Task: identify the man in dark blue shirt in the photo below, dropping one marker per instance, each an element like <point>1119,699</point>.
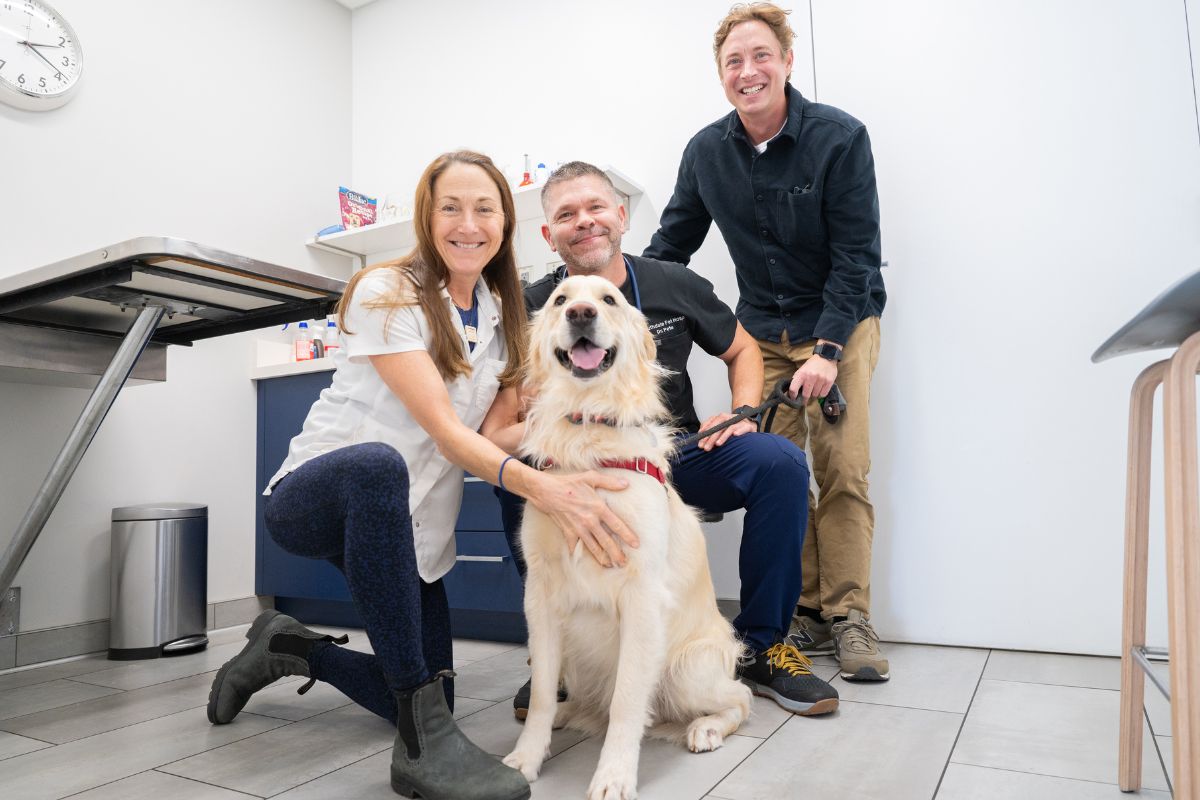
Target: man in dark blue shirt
<point>737,468</point>
<point>791,186</point>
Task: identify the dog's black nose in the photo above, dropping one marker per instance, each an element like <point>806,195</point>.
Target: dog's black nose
<point>580,313</point>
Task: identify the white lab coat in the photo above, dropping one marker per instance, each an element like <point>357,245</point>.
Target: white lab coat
<point>359,407</point>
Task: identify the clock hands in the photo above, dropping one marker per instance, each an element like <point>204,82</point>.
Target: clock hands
<point>38,53</point>
<point>37,44</point>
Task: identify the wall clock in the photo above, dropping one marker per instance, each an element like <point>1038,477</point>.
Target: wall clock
<point>41,61</point>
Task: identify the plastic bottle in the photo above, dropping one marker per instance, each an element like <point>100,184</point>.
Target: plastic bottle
<point>542,173</point>
<point>302,343</point>
<point>318,341</point>
<point>333,338</point>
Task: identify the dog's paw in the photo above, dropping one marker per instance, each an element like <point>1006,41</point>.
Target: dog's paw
<point>613,783</point>
<point>703,737</point>
<point>528,765</point>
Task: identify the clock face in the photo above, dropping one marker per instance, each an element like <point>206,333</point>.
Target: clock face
<point>40,58</point>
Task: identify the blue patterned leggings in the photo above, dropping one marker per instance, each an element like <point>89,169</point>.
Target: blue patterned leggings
<point>350,507</point>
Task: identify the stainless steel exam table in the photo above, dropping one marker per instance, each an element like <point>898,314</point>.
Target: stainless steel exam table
<point>122,305</point>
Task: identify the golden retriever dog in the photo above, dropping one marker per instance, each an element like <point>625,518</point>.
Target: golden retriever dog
<point>641,645</point>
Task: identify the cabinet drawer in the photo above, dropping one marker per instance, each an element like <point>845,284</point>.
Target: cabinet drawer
<point>484,577</point>
<point>480,509</point>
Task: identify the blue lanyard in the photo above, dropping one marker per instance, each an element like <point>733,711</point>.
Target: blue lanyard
<point>470,319</point>
<point>637,298</point>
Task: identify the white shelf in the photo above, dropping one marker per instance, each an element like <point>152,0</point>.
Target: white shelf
<point>397,234</point>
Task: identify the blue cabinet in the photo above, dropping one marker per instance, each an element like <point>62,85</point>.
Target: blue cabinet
<point>484,587</point>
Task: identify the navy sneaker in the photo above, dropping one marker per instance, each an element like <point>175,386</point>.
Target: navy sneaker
<point>521,701</point>
<point>784,674</point>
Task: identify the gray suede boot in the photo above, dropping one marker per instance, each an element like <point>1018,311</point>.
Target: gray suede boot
<point>277,646</point>
<point>432,759</point>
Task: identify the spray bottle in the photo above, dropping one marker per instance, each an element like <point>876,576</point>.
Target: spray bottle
<point>526,180</point>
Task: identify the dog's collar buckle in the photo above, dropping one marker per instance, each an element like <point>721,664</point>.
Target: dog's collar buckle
<point>640,465</point>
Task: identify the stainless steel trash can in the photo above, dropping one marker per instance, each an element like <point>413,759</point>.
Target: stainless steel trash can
<point>159,587</point>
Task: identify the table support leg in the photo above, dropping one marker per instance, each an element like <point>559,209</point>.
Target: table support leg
<point>94,411</point>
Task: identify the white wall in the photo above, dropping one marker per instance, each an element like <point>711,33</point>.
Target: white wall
<point>226,123</point>
<point>1038,172</point>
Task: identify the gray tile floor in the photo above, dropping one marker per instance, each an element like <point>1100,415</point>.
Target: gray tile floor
<point>952,724</point>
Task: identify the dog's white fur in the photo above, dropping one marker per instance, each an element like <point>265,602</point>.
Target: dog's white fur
<point>637,646</point>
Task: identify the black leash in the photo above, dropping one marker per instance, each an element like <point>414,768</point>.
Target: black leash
<point>833,406</point>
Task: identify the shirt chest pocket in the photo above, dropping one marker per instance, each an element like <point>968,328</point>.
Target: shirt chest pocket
<point>797,216</point>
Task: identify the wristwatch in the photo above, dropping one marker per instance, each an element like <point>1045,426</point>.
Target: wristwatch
<point>828,351</point>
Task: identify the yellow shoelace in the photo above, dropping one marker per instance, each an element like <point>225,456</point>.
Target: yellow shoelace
<point>786,656</point>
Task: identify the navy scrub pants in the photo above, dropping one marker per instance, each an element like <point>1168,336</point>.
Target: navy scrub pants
<point>768,476</point>
<point>350,507</point>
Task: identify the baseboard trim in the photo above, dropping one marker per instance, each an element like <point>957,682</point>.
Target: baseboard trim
<point>51,644</point>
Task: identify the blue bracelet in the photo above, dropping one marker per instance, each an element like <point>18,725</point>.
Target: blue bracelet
<point>500,479</point>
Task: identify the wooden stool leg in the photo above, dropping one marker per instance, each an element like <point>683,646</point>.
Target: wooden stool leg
<point>1137,535</point>
<point>1183,564</point>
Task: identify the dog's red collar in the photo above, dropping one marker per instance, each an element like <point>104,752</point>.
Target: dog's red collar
<point>637,465</point>
<point>641,465</point>
<point>577,418</point>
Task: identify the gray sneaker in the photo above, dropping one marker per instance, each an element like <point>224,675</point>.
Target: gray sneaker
<point>856,646</point>
<point>811,637</point>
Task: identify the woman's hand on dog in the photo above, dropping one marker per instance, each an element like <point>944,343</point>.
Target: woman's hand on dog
<point>721,437</point>
<point>582,515</point>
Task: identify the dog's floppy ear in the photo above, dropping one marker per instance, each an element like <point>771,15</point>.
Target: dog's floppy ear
<point>648,347</point>
<point>536,371</point>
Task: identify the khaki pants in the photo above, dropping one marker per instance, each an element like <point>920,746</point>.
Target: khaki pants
<point>836,559</point>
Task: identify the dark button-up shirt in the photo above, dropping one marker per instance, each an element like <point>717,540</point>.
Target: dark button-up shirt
<point>801,220</point>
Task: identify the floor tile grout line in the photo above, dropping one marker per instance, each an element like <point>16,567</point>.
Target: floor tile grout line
<point>192,708</point>
<point>107,783</point>
<point>1046,775</point>
<point>235,741</point>
<point>1048,683</point>
<point>143,772</point>
<point>1162,762</point>
<point>148,685</point>
<point>327,774</point>
<point>59,708</point>
<point>910,708</point>
<point>5,720</point>
<point>206,783</point>
<point>961,725</point>
<point>35,668</point>
<point>180,711</point>
<point>753,750</point>
<point>26,736</point>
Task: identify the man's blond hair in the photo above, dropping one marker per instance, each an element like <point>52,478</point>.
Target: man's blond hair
<point>769,14</point>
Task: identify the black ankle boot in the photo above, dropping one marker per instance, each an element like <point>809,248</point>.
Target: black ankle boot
<point>278,645</point>
<point>432,759</point>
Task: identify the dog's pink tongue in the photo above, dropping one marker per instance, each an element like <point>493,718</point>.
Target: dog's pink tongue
<point>586,355</point>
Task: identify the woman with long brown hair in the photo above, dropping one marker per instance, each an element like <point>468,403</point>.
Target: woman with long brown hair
<point>373,482</point>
